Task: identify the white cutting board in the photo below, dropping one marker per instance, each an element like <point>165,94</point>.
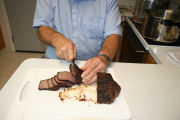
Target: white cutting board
<point>46,105</point>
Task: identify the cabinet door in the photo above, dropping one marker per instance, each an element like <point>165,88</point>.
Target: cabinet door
<point>2,44</point>
<point>150,60</point>
<point>132,50</point>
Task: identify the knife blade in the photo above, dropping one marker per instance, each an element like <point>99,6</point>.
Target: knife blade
<point>73,62</point>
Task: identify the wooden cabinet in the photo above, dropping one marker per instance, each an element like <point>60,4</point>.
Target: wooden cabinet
<point>132,51</point>
<point>149,59</point>
<point>2,44</point>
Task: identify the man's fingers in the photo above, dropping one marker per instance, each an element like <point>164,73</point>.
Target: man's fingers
<point>66,55</point>
<point>59,54</point>
<point>92,73</point>
<point>94,79</point>
<point>71,54</point>
<point>89,69</point>
<point>87,64</point>
<point>104,70</point>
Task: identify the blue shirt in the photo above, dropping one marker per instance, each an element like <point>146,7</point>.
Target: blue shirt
<point>86,22</point>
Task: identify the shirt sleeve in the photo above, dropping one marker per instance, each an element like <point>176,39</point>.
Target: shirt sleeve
<point>43,14</point>
<point>113,19</point>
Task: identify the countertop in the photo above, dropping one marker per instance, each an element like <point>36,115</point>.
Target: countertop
<point>152,91</point>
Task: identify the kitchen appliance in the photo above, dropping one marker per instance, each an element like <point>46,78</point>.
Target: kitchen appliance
<point>141,5</point>
<point>161,25</point>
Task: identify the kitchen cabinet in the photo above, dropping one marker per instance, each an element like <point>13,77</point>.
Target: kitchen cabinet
<point>149,59</point>
<point>132,51</point>
<point>2,44</point>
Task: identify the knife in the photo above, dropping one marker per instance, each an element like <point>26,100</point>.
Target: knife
<point>73,62</point>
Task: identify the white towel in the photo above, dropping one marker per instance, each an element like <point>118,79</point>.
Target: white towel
<point>175,56</point>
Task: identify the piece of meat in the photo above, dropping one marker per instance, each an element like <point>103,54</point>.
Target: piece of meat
<point>76,72</point>
<point>43,85</point>
<point>65,76</point>
<point>105,92</point>
<point>57,80</point>
<point>53,81</point>
<point>55,88</point>
<point>80,92</point>
<point>50,83</point>
<point>107,88</point>
<point>62,79</point>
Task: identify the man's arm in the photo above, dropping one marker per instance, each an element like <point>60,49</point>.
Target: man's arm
<point>65,48</point>
<point>110,46</point>
<point>99,63</point>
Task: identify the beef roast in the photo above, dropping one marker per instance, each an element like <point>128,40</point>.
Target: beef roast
<point>76,72</point>
<point>107,88</point>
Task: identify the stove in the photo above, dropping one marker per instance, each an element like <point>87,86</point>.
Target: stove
<point>138,26</point>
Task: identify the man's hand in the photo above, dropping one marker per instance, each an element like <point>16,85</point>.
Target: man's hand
<point>92,66</point>
<point>65,48</point>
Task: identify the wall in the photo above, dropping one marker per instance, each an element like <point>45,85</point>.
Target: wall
<point>4,22</point>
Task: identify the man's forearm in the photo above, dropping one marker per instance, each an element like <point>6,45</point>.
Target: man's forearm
<point>110,46</point>
<point>48,35</point>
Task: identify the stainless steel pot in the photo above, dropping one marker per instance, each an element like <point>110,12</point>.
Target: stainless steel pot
<point>141,5</point>
<point>162,25</point>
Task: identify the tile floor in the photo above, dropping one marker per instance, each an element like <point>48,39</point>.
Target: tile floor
<point>9,62</point>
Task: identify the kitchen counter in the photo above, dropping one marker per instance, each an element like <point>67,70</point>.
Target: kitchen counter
<point>151,90</point>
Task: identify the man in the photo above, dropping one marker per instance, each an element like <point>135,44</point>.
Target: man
<point>82,29</point>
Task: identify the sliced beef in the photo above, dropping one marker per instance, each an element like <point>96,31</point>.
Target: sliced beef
<point>65,76</point>
<point>107,88</point>
<point>76,72</point>
<point>54,81</point>
<point>62,79</point>
<point>43,85</point>
<point>55,88</point>
<point>50,83</point>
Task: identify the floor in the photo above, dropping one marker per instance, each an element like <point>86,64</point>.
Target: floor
<point>9,62</point>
